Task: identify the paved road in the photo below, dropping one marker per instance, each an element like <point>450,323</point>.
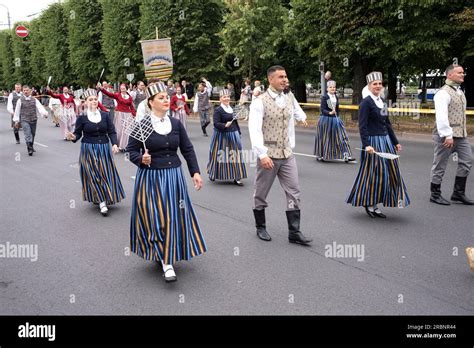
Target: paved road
<point>84,267</point>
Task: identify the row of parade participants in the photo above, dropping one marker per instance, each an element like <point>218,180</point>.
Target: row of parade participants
<point>164,226</point>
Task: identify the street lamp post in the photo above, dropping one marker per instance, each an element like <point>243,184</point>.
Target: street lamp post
<point>8,16</point>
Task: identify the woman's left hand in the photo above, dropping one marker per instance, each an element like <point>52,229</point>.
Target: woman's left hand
<point>197,180</point>
<point>228,124</point>
<point>115,149</point>
<point>398,147</point>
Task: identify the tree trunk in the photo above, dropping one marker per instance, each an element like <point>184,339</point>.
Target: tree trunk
<point>300,91</point>
<point>392,84</point>
<point>423,87</point>
<point>358,83</point>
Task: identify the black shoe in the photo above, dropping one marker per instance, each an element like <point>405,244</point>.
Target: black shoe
<point>238,183</point>
<point>18,141</point>
<point>294,234</point>
<point>350,159</point>
<point>459,195</point>
<point>212,179</point>
<point>260,224</point>
<point>205,135</point>
<point>379,214</point>
<point>436,195</point>
<point>320,159</point>
<point>370,213</point>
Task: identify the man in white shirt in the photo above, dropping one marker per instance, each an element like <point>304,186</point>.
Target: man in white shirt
<point>272,133</point>
<point>450,136</point>
<point>26,112</point>
<point>11,104</point>
<point>202,103</point>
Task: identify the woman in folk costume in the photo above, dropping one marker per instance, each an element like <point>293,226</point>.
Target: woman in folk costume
<point>225,155</point>
<point>124,110</point>
<point>164,226</point>
<point>379,179</point>
<point>331,142</point>
<point>100,180</point>
<point>178,106</point>
<point>68,110</point>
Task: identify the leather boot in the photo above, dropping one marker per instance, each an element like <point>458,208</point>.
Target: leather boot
<point>17,136</point>
<point>459,191</point>
<point>436,195</point>
<point>30,148</point>
<point>294,234</point>
<point>260,224</point>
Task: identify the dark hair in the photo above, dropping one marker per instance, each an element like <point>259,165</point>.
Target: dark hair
<point>451,67</point>
<point>274,68</point>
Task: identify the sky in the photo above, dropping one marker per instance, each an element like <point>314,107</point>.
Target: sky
<point>21,9</point>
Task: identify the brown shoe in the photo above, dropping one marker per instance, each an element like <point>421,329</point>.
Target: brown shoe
<point>470,257</point>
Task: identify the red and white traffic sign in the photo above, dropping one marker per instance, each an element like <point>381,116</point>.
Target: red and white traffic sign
<point>21,31</point>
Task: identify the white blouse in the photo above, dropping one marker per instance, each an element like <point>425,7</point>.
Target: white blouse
<point>378,101</point>
<point>227,108</point>
<point>94,117</point>
<point>161,125</point>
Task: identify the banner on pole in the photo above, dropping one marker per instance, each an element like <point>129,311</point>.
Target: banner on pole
<point>157,58</point>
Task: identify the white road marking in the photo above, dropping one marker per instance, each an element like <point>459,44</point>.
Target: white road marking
<point>36,143</point>
<point>303,154</point>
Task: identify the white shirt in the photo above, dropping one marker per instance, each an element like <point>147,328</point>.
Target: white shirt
<point>10,101</point>
<point>53,102</point>
<point>208,89</point>
<point>378,100</point>
<point>100,96</point>
<point>161,125</point>
<point>256,121</point>
<point>39,108</point>
<point>94,117</point>
<point>142,109</point>
<point>333,100</point>
<point>441,101</point>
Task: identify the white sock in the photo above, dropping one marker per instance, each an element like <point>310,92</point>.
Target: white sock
<point>372,208</point>
<point>102,205</point>
<point>168,270</point>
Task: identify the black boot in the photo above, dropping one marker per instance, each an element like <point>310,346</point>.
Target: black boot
<point>459,191</point>
<point>17,136</point>
<point>29,146</point>
<point>260,224</point>
<point>294,234</point>
<point>436,195</point>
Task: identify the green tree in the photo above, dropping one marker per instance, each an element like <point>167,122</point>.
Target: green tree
<point>6,61</point>
<point>84,31</point>
<point>192,27</point>
<point>120,40</point>
<point>55,34</point>
<point>37,62</point>
<point>21,53</point>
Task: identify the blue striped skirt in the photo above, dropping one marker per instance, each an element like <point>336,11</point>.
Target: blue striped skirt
<point>226,161</point>
<point>379,180</point>
<point>164,226</point>
<point>331,139</point>
<point>99,176</point>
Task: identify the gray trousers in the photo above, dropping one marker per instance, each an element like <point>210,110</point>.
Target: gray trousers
<point>29,129</point>
<point>462,154</point>
<point>287,173</point>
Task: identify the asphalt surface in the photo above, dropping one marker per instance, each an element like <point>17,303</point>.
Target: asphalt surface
<point>414,261</point>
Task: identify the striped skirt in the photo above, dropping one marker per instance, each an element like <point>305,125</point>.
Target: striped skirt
<point>226,160</point>
<point>119,118</point>
<point>331,139</point>
<point>100,179</point>
<point>164,226</point>
<point>379,180</point>
<point>180,115</point>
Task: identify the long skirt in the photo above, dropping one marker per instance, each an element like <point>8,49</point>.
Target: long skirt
<point>164,226</point>
<point>99,176</point>
<point>67,119</point>
<point>180,115</point>
<point>226,160</point>
<point>331,139</point>
<point>119,119</point>
<point>379,179</point>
